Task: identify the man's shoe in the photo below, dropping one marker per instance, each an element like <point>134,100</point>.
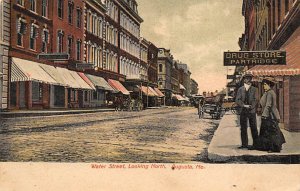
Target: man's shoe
<point>251,148</point>
<point>242,147</point>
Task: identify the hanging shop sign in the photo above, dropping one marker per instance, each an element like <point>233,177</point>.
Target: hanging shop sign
<point>252,58</point>
<point>82,66</point>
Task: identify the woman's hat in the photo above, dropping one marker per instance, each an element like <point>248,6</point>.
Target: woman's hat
<point>270,81</point>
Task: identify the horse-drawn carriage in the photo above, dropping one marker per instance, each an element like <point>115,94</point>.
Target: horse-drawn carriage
<point>211,106</point>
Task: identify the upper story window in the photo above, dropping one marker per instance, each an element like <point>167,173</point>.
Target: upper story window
<point>160,68</point>
<point>45,40</point>
<point>44,8</point>
<point>33,5</point>
<point>60,39</point>
<point>33,36</point>
<point>78,19</point>
<point>78,51</point>
<point>70,45</point>
<point>70,12</point>
<point>21,30</point>
<point>20,2</point>
<point>60,8</point>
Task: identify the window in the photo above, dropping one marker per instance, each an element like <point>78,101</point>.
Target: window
<point>32,5</point>
<point>60,8</point>
<point>45,40</point>
<point>21,29</point>
<point>160,68</point>
<point>37,91</point>
<point>20,2</point>
<point>78,21</point>
<point>85,96</point>
<point>60,39</point>
<point>70,45</point>
<point>78,52</point>
<point>44,8</point>
<point>95,95</point>
<point>70,12</point>
<point>33,35</point>
<point>286,6</point>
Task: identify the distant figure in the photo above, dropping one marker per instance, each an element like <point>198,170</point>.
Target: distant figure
<point>116,103</point>
<point>270,136</point>
<point>246,99</point>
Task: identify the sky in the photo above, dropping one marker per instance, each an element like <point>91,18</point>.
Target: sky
<point>197,32</point>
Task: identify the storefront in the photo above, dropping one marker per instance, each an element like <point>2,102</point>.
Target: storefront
<point>30,85</point>
<point>288,86</point>
<point>39,86</point>
<point>99,96</point>
<point>160,99</point>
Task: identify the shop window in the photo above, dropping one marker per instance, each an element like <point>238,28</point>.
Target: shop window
<point>60,8</point>
<point>70,12</point>
<point>45,40</point>
<point>44,8</point>
<point>86,96</point>
<point>37,91</point>
<point>78,21</point>
<point>13,94</point>
<point>95,95</point>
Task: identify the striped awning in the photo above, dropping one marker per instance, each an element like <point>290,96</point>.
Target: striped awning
<point>72,79</point>
<point>25,70</point>
<point>292,67</point>
<point>160,94</point>
<point>100,83</point>
<point>118,86</point>
<point>147,91</point>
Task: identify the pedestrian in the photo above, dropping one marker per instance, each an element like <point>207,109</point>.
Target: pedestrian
<point>116,103</point>
<point>246,100</point>
<point>270,135</point>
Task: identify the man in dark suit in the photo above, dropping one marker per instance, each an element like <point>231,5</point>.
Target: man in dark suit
<point>246,100</point>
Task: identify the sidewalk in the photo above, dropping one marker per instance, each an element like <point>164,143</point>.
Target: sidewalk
<point>226,140</point>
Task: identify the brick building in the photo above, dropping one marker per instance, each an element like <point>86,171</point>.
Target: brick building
<point>275,26</point>
<point>52,27</point>
<point>4,47</point>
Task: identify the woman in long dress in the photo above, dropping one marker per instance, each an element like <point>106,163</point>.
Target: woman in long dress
<point>270,136</point>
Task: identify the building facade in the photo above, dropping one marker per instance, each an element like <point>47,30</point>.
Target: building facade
<point>194,87</point>
<point>165,64</point>
<point>185,78</point>
<point>4,48</point>
<point>276,27</point>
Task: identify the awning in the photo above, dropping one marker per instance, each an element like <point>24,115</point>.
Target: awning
<point>100,83</point>
<point>153,91</point>
<point>118,86</point>
<point>147,91</point>
<point>86,79</point>
<point>72,79</point>
<point>181,87</point>
<point>292,67</point>
<point>159,93</point>
<point>53,72</point>
<point>178,97</point>
<point>25,70</point>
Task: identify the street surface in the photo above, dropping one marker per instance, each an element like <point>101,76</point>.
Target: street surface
<point>159,135</point>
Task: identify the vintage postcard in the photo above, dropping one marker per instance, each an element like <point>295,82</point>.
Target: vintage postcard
<point>149,95</point>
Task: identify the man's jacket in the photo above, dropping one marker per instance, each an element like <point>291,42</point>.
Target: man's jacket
<point>241,96</point>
